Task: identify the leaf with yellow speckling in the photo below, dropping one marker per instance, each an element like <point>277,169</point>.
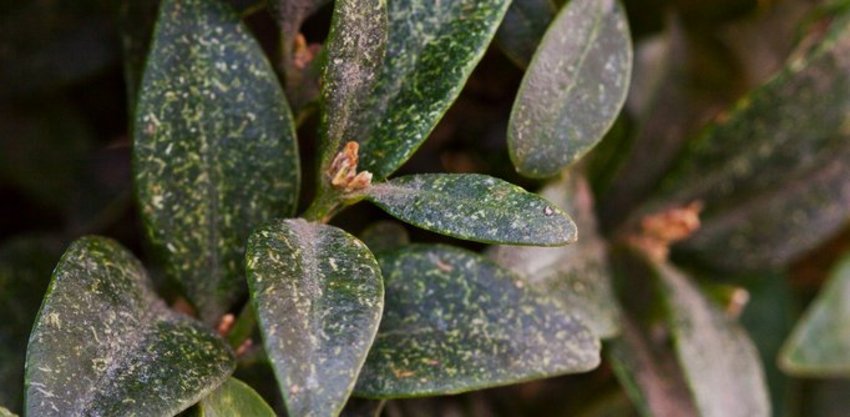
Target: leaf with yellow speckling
<point>474,207</point>
<point>573,89</point>
<point>433,48</point>
<point>233,399</point>
<point>215,152</point>
<point>456,322</point>
<point>103,343</point>
<point>318,295</point>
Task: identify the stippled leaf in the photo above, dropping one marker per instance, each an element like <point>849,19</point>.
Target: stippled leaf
<point>355,47</point>
<point>574,88</point>
<point>454,322</point>
<point>820,342</point>
<point>711,348</point>
<point>318,295</point>
<point>384,235</point>
<point>432,49</point>
<point>215,152</point>
<point>577,276</point>
<point>474,207</point>
<point>104,344</point>
<point>233,399</point>
<point>25,266</point>
<point>523,27</point>
<point>359,407</point>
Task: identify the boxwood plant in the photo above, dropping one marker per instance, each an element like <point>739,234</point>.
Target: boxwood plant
<point>654,243</point>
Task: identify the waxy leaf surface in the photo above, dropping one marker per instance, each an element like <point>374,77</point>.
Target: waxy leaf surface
<point>234,398</point>
<point>474,207</point>
<point>214,153</point>
<point>318,295</point>
<point>104,344</point>
<point>455,322</point>
<point>523,27</point>
<point>820,342</point>
<point>573,89</point>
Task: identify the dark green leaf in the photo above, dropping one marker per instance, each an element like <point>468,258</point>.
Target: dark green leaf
<point>233,399</point>
<point>456,322</point>
<point>819,344</point>
<point>474,207</point>
<point>523,27</point>
<point>355,47</point>
<point>359,407</point>
<point>574,88</point>
<point>25,266</point>
<point>432,50</point>
<point>720,363</point>
<point>318,295</point>
<point>104,344</point>
<point>577,276</point>
<point>384,235</point>
<point>215,151</point>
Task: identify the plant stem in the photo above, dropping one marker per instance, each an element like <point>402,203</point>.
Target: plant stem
<point>326,205</point>
<point>244,326</point>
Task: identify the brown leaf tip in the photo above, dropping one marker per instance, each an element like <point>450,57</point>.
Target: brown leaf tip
<point>660,230</point>
<point>343,170</point>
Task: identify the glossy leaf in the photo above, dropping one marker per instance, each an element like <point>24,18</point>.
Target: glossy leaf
<point>385,235</point>
<point>820,342</point>
<point>474,207</point>
<point>710,348</point>
<point>25,266</point>
<point>456,322</point>
<point>233,399</point>
<point>215,152</point>
<point>523,28</point>
<point>318,295</point>
<point>356,46</point>
<point>574,88</point>
<point>104,344</point>
<point>578,275</point>
<point>432,50</point>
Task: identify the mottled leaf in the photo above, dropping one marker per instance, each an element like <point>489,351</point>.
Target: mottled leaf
<point>355,53</point>
<point>25,266</point>
<point>433,48</point>
<point>820,342</point>
<point>574,88</point>
<point>104,344</point>
<point>578,275</point>
<point>318,295</point>
<point>359,407</point>
<point>523,27</point>
<point>474,207</point>
<point>720,363</point>
<point>215,152</point>
<point>384,235</point>
<point>233,399</point>
<point>456,322</point>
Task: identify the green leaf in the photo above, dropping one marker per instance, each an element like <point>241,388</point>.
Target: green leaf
<point>456,322</point>
<point>215,152</point>
<point>474,207</point>
<point>574,88</point>
<point>359,407</point>
<point>4,412</point>
<point>104,344</point>
<point>234,398</point>
<point>578,276</point>
<point>523,27</point>
<point>432,50</point>
<point>720,363</point>
<point>356,46</point>
<point>318,295</point>
<point>385,235</point>
<point>25,266</point>
<point>820,343</point>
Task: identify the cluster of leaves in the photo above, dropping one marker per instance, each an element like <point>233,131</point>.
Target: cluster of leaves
<point>346,322</point>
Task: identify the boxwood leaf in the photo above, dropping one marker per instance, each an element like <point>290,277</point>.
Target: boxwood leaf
<point>523,27</point>
<point>578,276</point>
<point>234,398</point>
<point>819,344</point>
<point>474,207</point>
<point>215,151</point>
<point>384,235</point>
<point>432,50</point>
<point>355,47</point>
<point>574,88</point>
<point>104,344</point>
<point>455,322</point>
<point>710,348</point>
<point>318,295</point>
